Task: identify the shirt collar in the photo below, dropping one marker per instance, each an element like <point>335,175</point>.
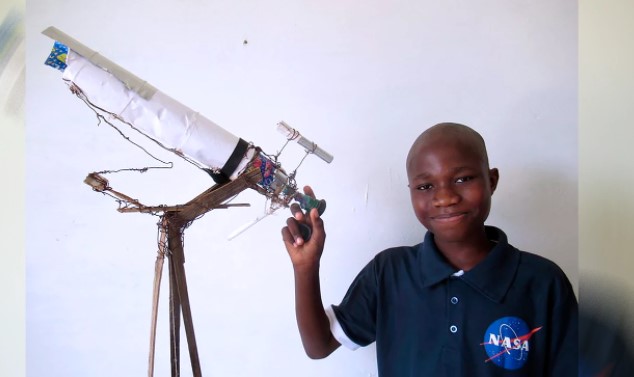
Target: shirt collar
<point>492,277</point>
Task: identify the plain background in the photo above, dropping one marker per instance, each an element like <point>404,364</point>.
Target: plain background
<point>606,53</point>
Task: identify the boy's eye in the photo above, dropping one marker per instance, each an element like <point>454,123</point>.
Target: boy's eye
<point>464,179</point>
<point>424,187</point>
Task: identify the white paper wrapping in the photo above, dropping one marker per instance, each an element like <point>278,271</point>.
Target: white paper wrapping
<point>159,117</point>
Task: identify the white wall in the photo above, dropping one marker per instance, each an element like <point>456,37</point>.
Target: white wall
<point>362,79</point>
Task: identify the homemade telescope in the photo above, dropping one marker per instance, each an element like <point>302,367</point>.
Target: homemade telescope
<point>118,96</point>
<point>124,97</point>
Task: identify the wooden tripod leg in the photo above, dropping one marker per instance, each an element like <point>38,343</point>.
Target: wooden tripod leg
<point>158,271</point>
<point>158,274</point>
<point>175,319</point>
<point>175,237</point>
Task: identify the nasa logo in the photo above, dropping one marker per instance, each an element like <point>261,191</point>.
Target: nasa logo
<point>506,342</point>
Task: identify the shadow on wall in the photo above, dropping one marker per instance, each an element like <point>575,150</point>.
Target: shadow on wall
<point>605,327</point>
<point>12,65</point>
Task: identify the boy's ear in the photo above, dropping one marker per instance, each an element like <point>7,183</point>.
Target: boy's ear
<point>494,177</point>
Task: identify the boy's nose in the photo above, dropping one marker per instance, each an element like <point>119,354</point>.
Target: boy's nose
<point>445,197</point>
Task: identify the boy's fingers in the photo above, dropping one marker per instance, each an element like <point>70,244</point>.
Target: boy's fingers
<point>305,231</point>
<point>309,191</point>
<point>317,224</point>
<point>292,226</point>
<point>299,227</point>
<point>287,237</point>
<point>297,212</point>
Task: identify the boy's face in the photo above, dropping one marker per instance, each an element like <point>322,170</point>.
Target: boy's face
<point>450,187</point>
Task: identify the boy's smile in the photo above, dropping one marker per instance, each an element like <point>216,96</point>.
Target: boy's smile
<point>450,217</point>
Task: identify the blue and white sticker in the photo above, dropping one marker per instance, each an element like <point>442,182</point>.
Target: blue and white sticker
<point>507,342</point>
<point>57,57</point>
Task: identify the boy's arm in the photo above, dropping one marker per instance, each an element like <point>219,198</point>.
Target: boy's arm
<point>312,321</point>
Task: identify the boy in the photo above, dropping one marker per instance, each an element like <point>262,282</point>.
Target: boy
<point>463,302</point>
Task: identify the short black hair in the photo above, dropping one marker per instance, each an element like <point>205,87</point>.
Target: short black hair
<point>457,130</point>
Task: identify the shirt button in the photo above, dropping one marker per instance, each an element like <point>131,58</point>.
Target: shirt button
<point>454,300</point>
<point>453,329</point>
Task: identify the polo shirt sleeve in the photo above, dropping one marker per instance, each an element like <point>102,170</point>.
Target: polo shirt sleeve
<point>356,314</point>
<point>337,330</point>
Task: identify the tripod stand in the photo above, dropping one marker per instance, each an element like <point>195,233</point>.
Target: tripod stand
<point>174,221</point>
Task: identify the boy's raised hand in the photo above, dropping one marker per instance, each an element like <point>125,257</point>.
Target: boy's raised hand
<point>304,253</point>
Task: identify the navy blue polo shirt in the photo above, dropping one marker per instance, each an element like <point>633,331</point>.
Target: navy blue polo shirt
<point>514,314</point>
